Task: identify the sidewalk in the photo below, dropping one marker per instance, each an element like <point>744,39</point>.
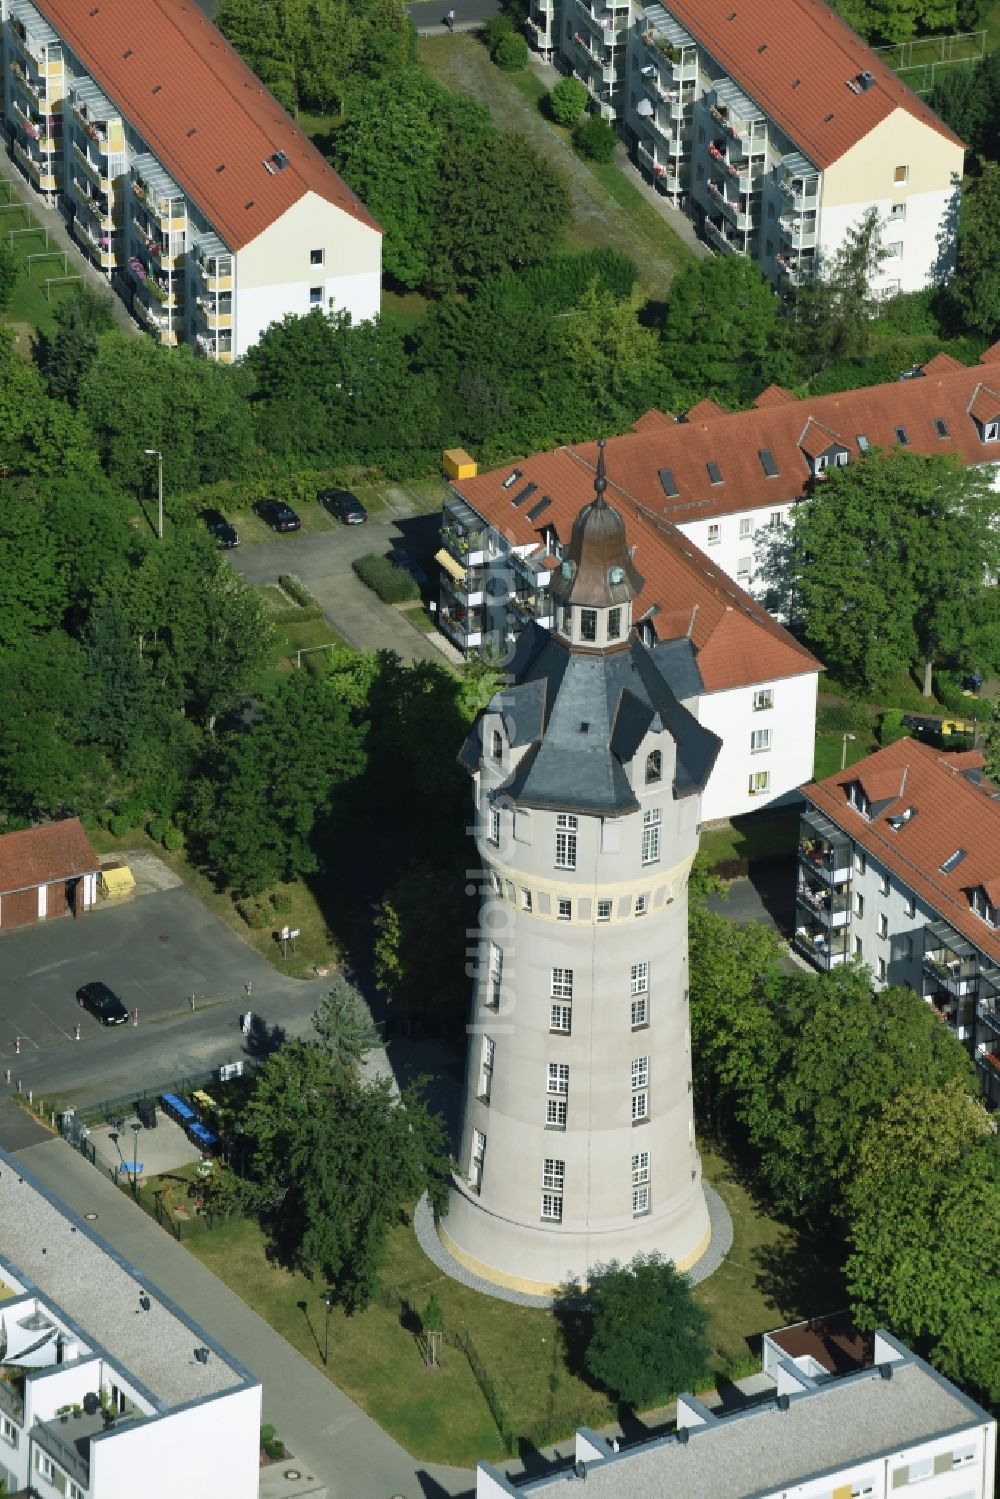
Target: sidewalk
<point>326,1431</point>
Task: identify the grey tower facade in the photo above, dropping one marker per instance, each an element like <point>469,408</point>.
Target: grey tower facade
<point>578,1143</point>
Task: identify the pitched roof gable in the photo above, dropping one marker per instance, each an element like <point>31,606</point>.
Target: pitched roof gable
<point>796,59</point>
<point>985,405</point>
<point>38,856</point>
<point>952,813</point>
<point>199,107</point>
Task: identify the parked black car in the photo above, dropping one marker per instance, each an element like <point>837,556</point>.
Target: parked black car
<point>278,515</point>
<point>103,1003</point>
<point>223,530</point>
<point>344,506</point>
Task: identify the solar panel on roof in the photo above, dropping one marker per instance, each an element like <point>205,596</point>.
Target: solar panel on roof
<point>536,510</point>
<point>523,494</point>
<point>668,483</point>
<point>714,473</point>
<point>767,462</point>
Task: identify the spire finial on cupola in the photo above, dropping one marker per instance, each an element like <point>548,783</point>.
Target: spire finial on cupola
<point>601,480</point>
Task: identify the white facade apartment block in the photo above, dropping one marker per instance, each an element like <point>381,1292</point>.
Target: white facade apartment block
<point>876,1433</point>
<point>766,189</point>
<point>768,742</point>
<point>736,541</point>
<point>108,1391</point>
<point>179,257</point>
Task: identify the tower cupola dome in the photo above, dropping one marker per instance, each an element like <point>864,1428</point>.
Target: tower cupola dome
<point>596,582</point>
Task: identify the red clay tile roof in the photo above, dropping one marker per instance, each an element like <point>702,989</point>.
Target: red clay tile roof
<point>209,110</point>
<point>985,404</point>
<point>952,812</point>
<point>55,851</point>
<point>774,395</point>
<point>736,641</point>
<point>733,440</point>
<point>795,59</point>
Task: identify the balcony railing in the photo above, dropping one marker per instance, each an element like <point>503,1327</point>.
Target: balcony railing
<point>719,237</point>
<point>737,131</point>
<point>956,975</point>
<point>829,862</point>
<point>64,1453</point>
<point>93,167</point>
<point>831,907</point>
<point>34,89</point>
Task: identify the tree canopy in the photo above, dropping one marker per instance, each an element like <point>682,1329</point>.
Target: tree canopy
<point>648,1341</point>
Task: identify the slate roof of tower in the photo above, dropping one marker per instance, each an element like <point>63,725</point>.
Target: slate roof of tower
<point>795,59</point>
<point>617,696</point>
<point>202,112</point>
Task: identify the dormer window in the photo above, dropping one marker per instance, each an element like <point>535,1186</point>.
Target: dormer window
<point>991,432</point>
<point>654,767</point>
<point>984,907</point>
<point>858,800</point>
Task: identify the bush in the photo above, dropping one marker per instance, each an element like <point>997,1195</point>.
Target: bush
<point>173,839</point>
<point>281,902</point>
<point>256,916</point>
<point>890,726</point>
<point>842,718</point>
<point>297,590</point>
<point>511,53</point>
<point>391,583</point>
<point>595,138</point>
<point>949,692</point>
<point>567,101</point>
<point>496,28</point>
<point>156,827</point>
<point>119,825</point>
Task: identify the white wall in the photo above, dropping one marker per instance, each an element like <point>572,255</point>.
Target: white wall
<point>207,1451</point>
<point>926,214</point>
<point>732,547</point>
<point>788,761</point>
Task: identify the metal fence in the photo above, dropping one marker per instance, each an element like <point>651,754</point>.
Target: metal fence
<point>921,59</point>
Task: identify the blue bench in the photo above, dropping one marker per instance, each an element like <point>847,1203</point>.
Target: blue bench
<point>178,1108</point>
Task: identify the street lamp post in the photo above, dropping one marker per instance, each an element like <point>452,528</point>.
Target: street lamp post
<point>135,1159</point>
<point>328,1303</point>
<point>155,453</point>
<point>843,749</point>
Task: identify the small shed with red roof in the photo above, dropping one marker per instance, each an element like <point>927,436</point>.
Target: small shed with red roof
<point>45,872</point>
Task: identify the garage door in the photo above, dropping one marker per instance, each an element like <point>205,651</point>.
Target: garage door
<point>55,898</point>
<point>18,909</point>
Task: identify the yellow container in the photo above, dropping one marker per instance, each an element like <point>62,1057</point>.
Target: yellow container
<point>116,881</point>
<point>458,465</point>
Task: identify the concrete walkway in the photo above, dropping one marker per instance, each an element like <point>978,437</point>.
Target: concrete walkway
<point>327,1432</point>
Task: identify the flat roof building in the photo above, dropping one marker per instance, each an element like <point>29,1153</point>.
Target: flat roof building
<point>106,1388</point>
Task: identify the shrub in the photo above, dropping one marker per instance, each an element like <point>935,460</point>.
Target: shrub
<point>595,138</point>
<point>254,914</point>
<point>496,28</point>
<point>949,692</point>
<point>297,590</point>
<point>156,827</point>
<point>567,101</point>
<point>281,902</point>
<point>511,53</point>
<point>119,825</point>
<point>391,583</point>
<point>890,726</point>
<point>173,839</point>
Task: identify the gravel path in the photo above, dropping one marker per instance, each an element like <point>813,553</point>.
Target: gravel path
<point>462,63</point>
<point>427,1237</point>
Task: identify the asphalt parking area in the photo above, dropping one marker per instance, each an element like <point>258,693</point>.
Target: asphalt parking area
<point>153,953</point>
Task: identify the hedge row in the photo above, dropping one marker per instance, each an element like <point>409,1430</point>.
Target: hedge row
<point>391,583</point>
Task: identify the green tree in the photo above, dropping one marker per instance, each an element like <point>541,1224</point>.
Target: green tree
<point>80,319</point>
<point>567,101</point>
<point>595,138</point>
<point>344,1026</point>
<point>511,52</point>
<point>648,1341</point>
<point>10,270</point>
<point>46,767</point>
<point>498,205</point>
<point>834,310</point>
<point>34,594</point>
<point>976,289</point>
<point>124,707</point>
<point>898,20</point>
<point>605,368</point>
<point>724,335</point>
<point>890,555</point>
<point>389,970</point>
<point>923,1206</point>
<point>991,749</point>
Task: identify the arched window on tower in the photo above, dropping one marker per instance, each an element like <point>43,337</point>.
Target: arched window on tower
<point>654,767</point>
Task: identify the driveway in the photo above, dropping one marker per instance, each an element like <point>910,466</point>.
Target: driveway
<point>322,559</point>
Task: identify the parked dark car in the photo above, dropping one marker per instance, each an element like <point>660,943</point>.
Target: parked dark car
<point>405,561</point>
<point>344,506</point>
<point>278,515</point>
<point>223,530</point>
<point>103,1003</point>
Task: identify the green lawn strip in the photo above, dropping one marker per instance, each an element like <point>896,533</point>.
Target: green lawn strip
<point>316,944</point>
<point>830,747</point>
<point>442,1417</point>
<point>29,304</point>
<point>406,310</point>
<point>759,835</point>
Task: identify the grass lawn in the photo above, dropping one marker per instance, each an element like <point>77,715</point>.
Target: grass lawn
<point>406,310</point>
<point>29,304</point>
<point>830,747</point>
<point>316,944</point>
<point>759,835</point>
<point>769,1278</point>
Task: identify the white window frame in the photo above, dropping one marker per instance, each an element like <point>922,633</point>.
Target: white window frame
<point>744,568</point>
<point>564,910</point>
<point>486,1057</point>
<point>604,909</point>
<point>10,1433</point>
<point>640,1073</point>
<point>494,833</point>
<point>860,861</point>
<point>525,900</point>
<point>557,1079</point>
<point>859,903</point>
<point>883,926</point>
<point>561,983</point>
<point>776,520</point>
<point>759,783</point>
<point>566,833</point>
<point>763,699</point>
<point>317,257</point>
<point>640,1107</point>
<point>552,1207</point>
<point>746,527</point>
<point>640,1168</point>
<point>640,1202</point>
<point>315,296</point>
<point>555,1113</point>
<point>641,905</point>
<point>991,432</point>
<point>553,1174</point>
<point>910,908</point>
<point>652,821</point>
<point>714,534</point>
<point>496,974</point>
<point>640,1012</point>
<point>639,978</point>
<point>882,970</point>
<point>561,1019</point>
<point>760,741</point>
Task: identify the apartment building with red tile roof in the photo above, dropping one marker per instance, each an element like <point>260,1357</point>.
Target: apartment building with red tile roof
<point>899,865</point>
<point>775,122</point>
<point>504,534</point>
<point>183,178</point>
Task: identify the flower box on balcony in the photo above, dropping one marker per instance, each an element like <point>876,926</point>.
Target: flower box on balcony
<point>139,190</point>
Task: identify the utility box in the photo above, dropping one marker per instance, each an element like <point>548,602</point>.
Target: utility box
<point>458,465</point>
<point>116,880</point>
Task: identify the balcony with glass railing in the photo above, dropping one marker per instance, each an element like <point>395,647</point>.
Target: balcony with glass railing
<point>825,853</point>
<point>463,534</point>
<point>830,905</point>
<point>825,947</point>
<point>464,626</point>
<point>950,963</point>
